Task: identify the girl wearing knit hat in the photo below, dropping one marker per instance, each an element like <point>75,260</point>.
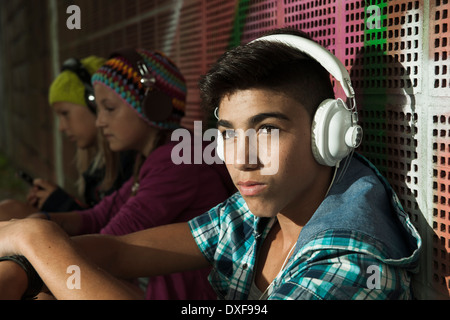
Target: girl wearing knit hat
<point>76,114</point>
<point>140,98</point>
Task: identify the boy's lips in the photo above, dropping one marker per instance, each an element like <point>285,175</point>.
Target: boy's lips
<point>251,188</point>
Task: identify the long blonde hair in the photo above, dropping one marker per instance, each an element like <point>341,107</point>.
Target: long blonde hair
<point>99,156</point>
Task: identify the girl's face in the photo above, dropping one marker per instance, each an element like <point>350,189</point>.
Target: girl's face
<point>77,123</point>
<point>121,126</point>
<point>299,183</point>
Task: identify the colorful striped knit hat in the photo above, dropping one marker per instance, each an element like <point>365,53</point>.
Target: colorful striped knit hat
<point>120,74</point>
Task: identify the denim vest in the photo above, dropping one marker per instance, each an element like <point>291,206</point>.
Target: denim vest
<point>359,202</point>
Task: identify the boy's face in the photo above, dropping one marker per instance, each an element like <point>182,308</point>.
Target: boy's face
<point>299,181</point>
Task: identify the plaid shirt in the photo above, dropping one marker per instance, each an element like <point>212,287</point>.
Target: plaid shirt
<point>339,263</point>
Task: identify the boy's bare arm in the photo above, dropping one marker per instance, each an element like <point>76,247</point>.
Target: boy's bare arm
<point>99,258</point>
<point>156,251</point>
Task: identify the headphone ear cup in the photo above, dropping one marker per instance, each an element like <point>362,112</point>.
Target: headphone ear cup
<point>330,125</point>
<point>157,105</point>
<point>220,146</point>
<point>317,131</point>
<point>89,97</point>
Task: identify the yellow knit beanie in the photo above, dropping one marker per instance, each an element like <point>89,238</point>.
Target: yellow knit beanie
<point>67,87</point>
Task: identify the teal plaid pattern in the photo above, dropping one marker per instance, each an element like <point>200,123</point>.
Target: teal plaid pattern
<point>333,265</point>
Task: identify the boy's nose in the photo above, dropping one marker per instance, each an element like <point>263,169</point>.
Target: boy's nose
<point>243,152</point>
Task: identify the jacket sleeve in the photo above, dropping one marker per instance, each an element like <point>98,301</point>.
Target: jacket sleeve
<point>96,218</point>
<point>164,193</point>
<point>165,190</point>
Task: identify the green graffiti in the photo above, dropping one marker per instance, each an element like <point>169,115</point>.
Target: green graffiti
<point>374,79</point>
<point>240,17</point>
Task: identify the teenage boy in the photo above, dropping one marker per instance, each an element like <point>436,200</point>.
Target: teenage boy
<point>309,231</point>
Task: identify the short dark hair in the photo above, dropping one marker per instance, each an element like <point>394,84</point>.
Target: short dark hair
<point>267,65</point>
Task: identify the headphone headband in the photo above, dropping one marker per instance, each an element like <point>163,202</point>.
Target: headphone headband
<point>328,61</point>
<point>74,65</point>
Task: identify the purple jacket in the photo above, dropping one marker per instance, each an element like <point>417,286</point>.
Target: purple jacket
<point>168,193</point>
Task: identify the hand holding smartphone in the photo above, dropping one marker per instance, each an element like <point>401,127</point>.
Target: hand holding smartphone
<point>25,177</point>
<point>40,191</point>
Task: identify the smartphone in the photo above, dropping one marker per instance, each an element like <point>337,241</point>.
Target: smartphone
<point>25,177</point>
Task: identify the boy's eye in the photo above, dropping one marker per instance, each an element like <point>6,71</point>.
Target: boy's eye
<point>267,129</point>
<point>229,134</point>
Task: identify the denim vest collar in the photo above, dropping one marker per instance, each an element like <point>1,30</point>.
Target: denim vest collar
<point>364,202</point>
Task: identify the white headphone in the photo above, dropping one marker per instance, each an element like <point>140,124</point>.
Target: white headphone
<point>335,132</point>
